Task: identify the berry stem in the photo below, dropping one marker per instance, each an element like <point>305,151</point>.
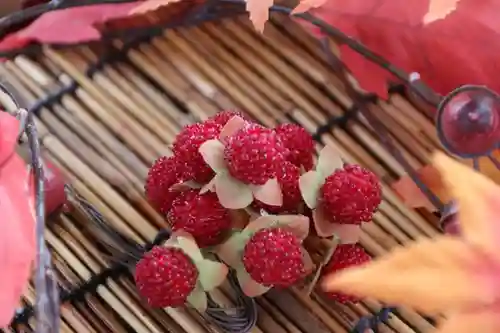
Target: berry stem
<point>334,242</point>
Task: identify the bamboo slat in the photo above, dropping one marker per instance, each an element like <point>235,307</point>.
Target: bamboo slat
<point>106,133</point>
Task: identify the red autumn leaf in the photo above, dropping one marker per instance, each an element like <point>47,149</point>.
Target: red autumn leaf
<point>258,10</point>
<point>150,5</point>
<point>67,26</point>
<point>459,49</point>
<point>429,175</point>
<point>83,24</point>
<point>411,194</point>
<point>17,239</point>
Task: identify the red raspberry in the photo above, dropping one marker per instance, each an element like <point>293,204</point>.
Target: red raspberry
<point>299,143</point>
<point>273,257</point>
<point>345,256</point>
<point>223,117</point>
<point>253,154</point>
<point>201,215</point>
<point>161,176</point>
<point>351,195</point>
<point>288,177</point>
<point>186,146</point>
<point>165,277</point>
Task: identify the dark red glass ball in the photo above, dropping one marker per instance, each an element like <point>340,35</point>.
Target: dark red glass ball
<point>469,122</point>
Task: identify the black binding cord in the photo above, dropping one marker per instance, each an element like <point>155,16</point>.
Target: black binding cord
<point>240,318</point>
<point>342,121</point>
<point>124,252</point>
<point>80,292</point>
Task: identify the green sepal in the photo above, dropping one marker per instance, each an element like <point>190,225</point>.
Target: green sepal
<point>249,286</point>
<point>211,274</point>
<point>231,251</point>
<point>198,298</point>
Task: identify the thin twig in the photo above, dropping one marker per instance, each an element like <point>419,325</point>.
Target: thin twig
<point>47,295</point>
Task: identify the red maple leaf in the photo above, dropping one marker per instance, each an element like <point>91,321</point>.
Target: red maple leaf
<point>459,49</point>
<point>76,25</point>
<point>67,26</point>
<point>17,239</point>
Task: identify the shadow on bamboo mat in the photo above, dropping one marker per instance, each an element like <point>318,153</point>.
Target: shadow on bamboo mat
<point>111,122</point>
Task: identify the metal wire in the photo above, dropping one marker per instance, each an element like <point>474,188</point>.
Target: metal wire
<point>240,318</point>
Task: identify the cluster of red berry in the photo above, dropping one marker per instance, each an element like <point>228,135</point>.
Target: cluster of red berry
<point>226,177</point>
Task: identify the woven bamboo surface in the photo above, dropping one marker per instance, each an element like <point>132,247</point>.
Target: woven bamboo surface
<point>115,124</point>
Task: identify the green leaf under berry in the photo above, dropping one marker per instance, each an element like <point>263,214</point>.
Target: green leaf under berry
<point>231,250</point>
<point>348,233</point>
<point>249,286</point>
<point>212,152</point>
<point>209,187</point>
<point>322,226</point>
<point>232,126</point>
<point>310,184</point>
<point>269,193</point>
<point>262,222</point>
<point>171,241</point>
<point>232,193</point>
<point>328,161</point>
<point>211,274</point>
<point>187,244</point>
<point>198,299</point>
<point>299,224</point>
<point>308,262</point>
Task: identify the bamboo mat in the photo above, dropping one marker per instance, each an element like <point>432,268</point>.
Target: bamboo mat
<point>114,125</point>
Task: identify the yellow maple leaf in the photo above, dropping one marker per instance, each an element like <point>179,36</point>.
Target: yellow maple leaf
<point>439,9</point>
<point>454,275</point>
